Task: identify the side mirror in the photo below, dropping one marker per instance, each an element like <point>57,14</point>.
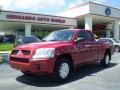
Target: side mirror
<point>79,40</point>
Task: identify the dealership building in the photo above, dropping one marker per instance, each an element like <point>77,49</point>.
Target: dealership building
<point>103,20</point>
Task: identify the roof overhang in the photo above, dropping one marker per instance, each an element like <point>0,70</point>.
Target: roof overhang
<point>99,13</point>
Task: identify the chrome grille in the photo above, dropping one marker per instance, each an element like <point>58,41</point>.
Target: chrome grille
<point>24,52</point>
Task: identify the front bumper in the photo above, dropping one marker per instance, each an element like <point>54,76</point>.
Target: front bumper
<point>42,66</point>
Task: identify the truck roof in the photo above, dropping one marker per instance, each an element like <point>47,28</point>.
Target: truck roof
<point>74,29</point>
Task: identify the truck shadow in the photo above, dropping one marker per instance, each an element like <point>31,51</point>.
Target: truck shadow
<point>80,73</point>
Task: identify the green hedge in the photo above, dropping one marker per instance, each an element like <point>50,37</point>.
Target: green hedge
<point>5,47</point>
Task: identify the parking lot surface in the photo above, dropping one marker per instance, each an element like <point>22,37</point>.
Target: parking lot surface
<point>87,77</point>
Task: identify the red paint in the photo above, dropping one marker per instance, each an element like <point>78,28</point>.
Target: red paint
<point>81,52</point>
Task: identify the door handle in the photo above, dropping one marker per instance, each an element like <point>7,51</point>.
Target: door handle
<point>87,46</point>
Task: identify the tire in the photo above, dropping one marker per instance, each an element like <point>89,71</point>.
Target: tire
<point>106,60</point>
<point>117,49</point>
<point>63,69</point>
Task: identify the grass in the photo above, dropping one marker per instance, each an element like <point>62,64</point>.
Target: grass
<point>6,47</point>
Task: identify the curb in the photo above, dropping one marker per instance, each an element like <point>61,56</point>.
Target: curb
<point>5,52</point>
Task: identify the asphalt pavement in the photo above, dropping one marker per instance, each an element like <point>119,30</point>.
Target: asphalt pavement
<point>87,77</point>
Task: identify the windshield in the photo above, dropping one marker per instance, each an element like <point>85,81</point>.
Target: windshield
<point>117,41</point>
<point>65,35</point>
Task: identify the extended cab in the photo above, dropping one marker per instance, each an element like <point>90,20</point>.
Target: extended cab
<point>59,53</point>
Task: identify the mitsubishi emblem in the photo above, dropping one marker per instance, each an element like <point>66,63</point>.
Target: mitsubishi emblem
<point>19,53</point>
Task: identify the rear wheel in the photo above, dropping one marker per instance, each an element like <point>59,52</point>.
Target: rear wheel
<point>106,60</point>
<point>63,70</point>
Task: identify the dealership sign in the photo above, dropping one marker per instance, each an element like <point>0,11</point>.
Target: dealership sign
<point>35,18</point>
<point>10,16</point>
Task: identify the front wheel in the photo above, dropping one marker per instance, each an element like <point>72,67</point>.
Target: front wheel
<point>63,70</point>
<point>106,60</point>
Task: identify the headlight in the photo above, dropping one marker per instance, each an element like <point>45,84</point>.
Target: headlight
<point>44,53</point>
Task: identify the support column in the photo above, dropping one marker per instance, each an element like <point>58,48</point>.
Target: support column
<point>116,30</point>
<point>108,33</point>
<point>88,22</point>
<point>27,29</point>
<point>109,27</point>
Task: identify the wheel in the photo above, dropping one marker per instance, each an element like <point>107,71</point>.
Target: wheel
<point>62,70</point>
<point>106,60</point>
<point>117,49</point>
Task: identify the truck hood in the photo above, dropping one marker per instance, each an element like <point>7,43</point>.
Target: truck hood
<point>50,44</point>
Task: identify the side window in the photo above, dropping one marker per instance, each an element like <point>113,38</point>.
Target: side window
<point>89,36</point>
<point>81,34</point>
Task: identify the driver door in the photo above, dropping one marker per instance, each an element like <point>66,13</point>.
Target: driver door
<point>81,46</point>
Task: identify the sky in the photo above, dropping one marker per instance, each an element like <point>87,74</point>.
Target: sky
<point>50,7</point>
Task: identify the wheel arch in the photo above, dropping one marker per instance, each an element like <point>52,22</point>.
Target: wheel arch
<point>67,55</point>
<point>116,46</point>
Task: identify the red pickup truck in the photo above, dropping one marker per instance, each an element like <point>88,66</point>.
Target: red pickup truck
<point>59,53</point>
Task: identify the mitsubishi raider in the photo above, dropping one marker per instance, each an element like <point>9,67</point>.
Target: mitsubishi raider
<point>59,53</point>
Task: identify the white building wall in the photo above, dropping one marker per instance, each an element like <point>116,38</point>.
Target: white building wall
<point>100,10</point>
<point>109,26</point>
<point>90,8</point>
<point>76,11</point>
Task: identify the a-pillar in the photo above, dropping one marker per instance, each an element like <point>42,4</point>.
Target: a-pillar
<point>116,30</point>
<point>27,29</point>
<point>88,22</point>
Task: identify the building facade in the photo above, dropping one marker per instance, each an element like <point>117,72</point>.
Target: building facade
<point>24,23</point>
<point>101,19</point>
